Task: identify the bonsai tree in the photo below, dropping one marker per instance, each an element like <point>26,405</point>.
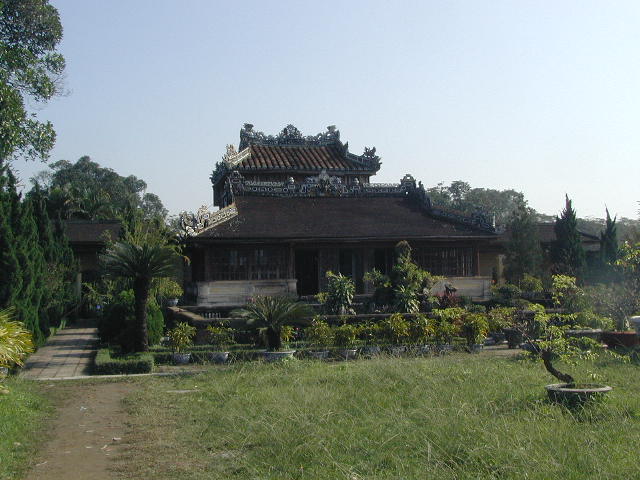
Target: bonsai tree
<point>345,335</point>
<point>318,334</point>
<point>181,337</point>
<point>141,264</point>
<point>271,314</point>
<point>220,336</point>
<point>16,342</point>
<point>369,333</point>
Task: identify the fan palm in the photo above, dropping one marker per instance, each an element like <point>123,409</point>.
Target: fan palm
<point>15,340</point>
<point>141,264</point>
<point>272,313</point>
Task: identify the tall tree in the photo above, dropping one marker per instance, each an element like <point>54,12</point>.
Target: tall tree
<point>567,254</point>
<point>30,69</point>
<point>524,254</point>
<point>609,241</point>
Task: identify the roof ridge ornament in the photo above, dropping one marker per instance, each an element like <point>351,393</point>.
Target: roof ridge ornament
<point>289,135</point>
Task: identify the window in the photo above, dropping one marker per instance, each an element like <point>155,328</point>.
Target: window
<point>265,263</point>
<point>451,261</point>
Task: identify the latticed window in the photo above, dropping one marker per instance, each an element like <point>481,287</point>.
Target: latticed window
<point>451,262</point>
<point>265,263</point>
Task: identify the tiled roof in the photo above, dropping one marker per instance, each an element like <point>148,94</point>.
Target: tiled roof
<point>378,218</point>
<point>91,231</point>
<point>310,158</point>
<point>547,234</point>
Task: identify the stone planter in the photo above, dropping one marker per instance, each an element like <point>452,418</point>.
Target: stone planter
<point>172,302</point>
<point>475,348</point>
<point>573,395</point>
<point>513,336</point>
<point>620,339</point>
<point>397,350</point>
<point>425,349</point>
<point>594,334</point>
<point>219,357</point>
<point>347,353</point>
<point>319,355</point>
<point>278,356</point>
<point>180,358</point>
<point>443,348</point>
<point>370,350</point>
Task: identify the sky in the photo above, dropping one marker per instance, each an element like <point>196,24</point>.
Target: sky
<point>542,97</point>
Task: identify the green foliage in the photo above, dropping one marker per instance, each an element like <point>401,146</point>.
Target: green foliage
<point>567,253</point>
<point>165,288</point>
<point>589,319</point>
<point>506,294</point>
<point>609,242</point>
<point>421,329</point>
<point>501,317</point>
<point>287,333</point>
<point>369,332</point>
<point>475,328</point>
<point>30,70</point>
<point>140,263</point>
<point>107,364</point>
<point>116,324</point>
<point>220,336</point>
<point>88,191</point>
<point>339,296</point>
<point>405,299</point>
<point>272,313</point>
<point>345,335</point>
<point>531,284</point>
<point>395,328</point>
<point>524,255</point>
<point>15,340</point>
<point>566,294</point>
<point>319,334</point>
<point>181,337</point>
<point>382,288</point>
<point>618,301</point>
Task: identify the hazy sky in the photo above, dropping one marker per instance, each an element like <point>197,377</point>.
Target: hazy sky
<point>541,96</point>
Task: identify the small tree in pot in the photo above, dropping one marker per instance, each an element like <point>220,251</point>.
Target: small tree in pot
<point>319,336</point>
<point>395,328</point>
<point>474,329</point>
<point>220,338</point>
<point>181,338</point>
<point>421,329</point>
<point>345,337</point>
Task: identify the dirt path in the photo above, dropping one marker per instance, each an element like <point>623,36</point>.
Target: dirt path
<point>87,436</point>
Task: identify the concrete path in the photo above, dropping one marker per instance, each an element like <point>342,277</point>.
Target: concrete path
<point>69,353</point>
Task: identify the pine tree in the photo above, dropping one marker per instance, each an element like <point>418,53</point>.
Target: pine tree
<point>524,254</point>
<point>567,253</point>
<point>609,241</point>
<point>10,271</point>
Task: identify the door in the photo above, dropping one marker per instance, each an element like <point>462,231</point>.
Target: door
<point>307,271</point>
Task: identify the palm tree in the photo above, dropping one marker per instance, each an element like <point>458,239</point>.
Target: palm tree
<point>272,313</point>
<point>141,264</point>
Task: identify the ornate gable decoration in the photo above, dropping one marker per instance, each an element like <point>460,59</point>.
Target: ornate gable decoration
<point>193,224</point>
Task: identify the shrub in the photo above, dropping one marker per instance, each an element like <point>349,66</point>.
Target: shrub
<point>16,342</point>
<point>318,334</point>
<point>345,335</point>
<point>395,328</point>
<point>369,333</point>
<point>220,336</point>
<point>566,294</point>
<point>338,299</point>
<point>531,284</point>
<point>475,328</point>
<point>500,318</point>
<point>506,294</point>
<point>181,337</point>
<point>420,329</point>
<point>107,364</point>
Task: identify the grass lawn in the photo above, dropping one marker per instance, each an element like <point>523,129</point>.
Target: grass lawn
<point>22,416</point>
<point>455,417</point>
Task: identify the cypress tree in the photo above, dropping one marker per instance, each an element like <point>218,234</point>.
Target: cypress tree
<point>524,254</point>
<point>567,253</point>
<point>10,271</point>
<point>609,241</point>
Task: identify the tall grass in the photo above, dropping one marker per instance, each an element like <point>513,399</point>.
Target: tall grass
<point>457,417</point>
<point>22,416</point>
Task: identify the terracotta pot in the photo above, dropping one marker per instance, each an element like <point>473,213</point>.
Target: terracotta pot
<point>572,395</point>
<point>620,339</point>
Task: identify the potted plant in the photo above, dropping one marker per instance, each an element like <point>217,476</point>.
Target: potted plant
<point>420,331</point>
<point>319,336</point>
<point>345,337</point>
<point>220,337</point>
<point>500,318</point>
<point>338,299</point>
<point>396,331</point>
<point>16,342</point>
<point>474,329</point>
<point>369,333</point>
<point>181,338</point>
<point>556,346</point>
<point>270,314</point>
<point>447,322</point>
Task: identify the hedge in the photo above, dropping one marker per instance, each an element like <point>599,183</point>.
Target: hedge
<point>106,364</point>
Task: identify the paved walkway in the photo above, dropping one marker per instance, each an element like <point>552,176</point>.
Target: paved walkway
<point>69,353</point>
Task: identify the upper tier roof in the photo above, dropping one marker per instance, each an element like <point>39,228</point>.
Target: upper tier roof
<point>291,152</point>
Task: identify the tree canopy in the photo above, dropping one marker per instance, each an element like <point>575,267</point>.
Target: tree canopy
<point>30,68</point>
<point>85,190</point>
<point>567,253</point>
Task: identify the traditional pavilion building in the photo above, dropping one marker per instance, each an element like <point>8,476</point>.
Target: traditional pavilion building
<point>292,207</point>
